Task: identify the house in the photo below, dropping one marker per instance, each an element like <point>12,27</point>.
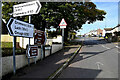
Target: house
<point>107,30</point>
<point>92,32</point>
<point>113,31</point>
<point>116,31</point>
<point>97,32</point>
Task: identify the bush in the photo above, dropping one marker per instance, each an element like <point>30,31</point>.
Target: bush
<point>9,51</point>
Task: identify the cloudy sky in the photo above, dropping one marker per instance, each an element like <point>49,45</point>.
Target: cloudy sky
<point>111,19</point>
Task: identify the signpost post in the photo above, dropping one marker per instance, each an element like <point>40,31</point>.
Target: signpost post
<point>29,41</point>
<point>63,25</point>
<point>28,8</point>
<point>18,28</point>
<point>14,48</point>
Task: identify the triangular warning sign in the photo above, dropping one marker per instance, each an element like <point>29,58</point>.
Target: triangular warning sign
<point>63,23</point>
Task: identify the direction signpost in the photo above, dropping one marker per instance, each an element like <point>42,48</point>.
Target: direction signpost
<point>40,39</point>
<point>32,51</point>
<point>20,28</point>
<point>63,25</point>
<point>28,8</point>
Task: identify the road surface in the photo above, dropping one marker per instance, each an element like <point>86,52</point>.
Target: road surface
<point>97,59</point>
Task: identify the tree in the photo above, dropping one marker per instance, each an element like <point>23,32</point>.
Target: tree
<point>75,14</point>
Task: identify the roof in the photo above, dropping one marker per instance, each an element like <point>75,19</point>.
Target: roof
<point>117,26</point>
<point>99,30</point>
<point>108,29</point>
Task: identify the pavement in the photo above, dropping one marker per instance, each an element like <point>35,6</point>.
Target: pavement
<point>97,60</point>
<point>43,69</point>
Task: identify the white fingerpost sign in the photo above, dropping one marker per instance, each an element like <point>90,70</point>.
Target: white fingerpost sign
<point>20,28</point>
<point>63,24</point>
<point>28,8</point>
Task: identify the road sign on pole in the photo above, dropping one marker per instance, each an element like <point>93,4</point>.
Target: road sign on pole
<point>40,37</point>
<point>20,28</point>
<point>32,51</point>
<point>63,24</point>
<point>28,8</point>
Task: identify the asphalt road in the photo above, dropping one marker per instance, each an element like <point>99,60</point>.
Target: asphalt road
<point>97,59</point>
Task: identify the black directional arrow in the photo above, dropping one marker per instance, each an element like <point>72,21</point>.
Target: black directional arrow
<point>9,26</point>
<point>38,7</point>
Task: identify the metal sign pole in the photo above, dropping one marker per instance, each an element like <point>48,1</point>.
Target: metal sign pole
<point>41,52</point>
<point>63,37</point>
<point>29,42</point>
<point>14,47</point>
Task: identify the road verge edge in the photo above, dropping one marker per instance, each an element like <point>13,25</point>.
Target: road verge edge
<point>67,62</point>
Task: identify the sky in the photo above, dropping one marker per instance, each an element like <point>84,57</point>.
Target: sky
<point>111,20</point>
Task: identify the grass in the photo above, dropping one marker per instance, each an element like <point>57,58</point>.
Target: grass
<point>77,38</point>
<point>6,44</point>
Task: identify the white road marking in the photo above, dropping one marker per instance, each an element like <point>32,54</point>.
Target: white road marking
<point>105,47</point>
<point>98,64</point>
<point>117,46</point>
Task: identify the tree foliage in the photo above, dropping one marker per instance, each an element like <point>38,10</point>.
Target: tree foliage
<point>75,14</point>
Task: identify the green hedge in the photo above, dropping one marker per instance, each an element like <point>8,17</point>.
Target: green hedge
<point>9,52</point>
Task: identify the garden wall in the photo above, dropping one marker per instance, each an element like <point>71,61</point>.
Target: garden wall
<point>21,60</point>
